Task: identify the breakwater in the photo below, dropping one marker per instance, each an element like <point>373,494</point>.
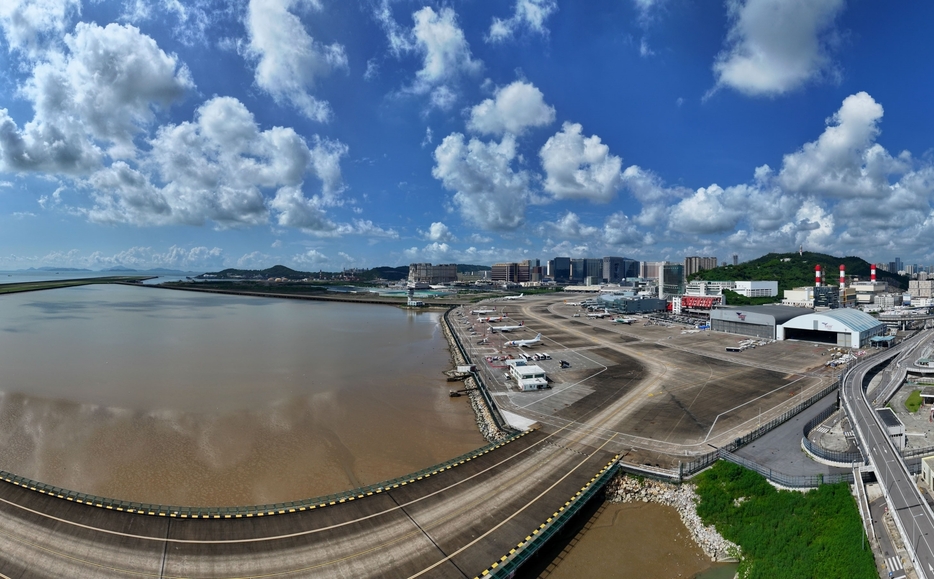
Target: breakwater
<point>485,422</point>
<point>683,498</point>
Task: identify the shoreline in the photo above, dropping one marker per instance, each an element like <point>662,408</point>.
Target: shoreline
<point>485,423</point>
<point>683,498</point>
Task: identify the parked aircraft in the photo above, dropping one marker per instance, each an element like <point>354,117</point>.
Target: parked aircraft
<point>600,315</point>
<point>524,343</point>
<point>482,311</point>
<point>491,319</point>
<point>506,328</point>
<point>518,297</point>
<point>627,321</point>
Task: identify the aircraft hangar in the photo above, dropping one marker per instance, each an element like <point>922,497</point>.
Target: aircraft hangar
<point>757,321</point>
<point>846,327</point>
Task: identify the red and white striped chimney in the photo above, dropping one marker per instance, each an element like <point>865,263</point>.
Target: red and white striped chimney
<point>872,272</point>
<point>842,276</point>
<point>817,275</point>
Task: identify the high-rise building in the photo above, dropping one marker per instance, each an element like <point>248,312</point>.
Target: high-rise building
<point>649,269</point>
<point>670,279</point>
<point>694,264</point>
<point>899,265</point>
<point>616,269</point>
<point>735,259</point>
<point>432,274</point>
<point>560,269</point>
<point>582,268</point>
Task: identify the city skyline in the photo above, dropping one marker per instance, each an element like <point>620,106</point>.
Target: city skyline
<point>325,135</point>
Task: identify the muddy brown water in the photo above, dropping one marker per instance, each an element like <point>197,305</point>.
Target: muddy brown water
<point>179,398</point>
<point>635,540</point>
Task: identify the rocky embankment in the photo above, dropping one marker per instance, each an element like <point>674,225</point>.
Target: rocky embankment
<point>485,422</point>
<point>626,489</point>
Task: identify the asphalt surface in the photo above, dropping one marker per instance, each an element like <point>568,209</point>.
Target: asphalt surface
<point>912,514</point>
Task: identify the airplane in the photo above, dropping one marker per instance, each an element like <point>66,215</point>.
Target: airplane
<point>524,343</point>
<point>518,297</point>
<point>491,319</point>
<point>506,328</point>
<point>600,315</point>
<point>627,321</point>
<point>482,311</point>
<point>572,303</point>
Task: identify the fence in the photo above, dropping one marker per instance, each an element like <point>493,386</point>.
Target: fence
<point>708,459</point>
<point>847,458</point>
<point>490,405</point>
<point>791,481</point>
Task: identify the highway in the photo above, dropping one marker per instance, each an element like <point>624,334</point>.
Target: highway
<point>911,512</point>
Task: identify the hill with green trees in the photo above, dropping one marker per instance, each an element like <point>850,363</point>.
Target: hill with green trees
<point>792,270</point>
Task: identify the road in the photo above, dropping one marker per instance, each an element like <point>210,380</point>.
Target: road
<point>912,514</point>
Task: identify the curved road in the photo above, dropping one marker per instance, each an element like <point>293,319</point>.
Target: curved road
<point>911,512</point>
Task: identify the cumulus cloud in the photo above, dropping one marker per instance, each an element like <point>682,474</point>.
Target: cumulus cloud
<point>103,90</point>
<point>774,46</point>
<point>844,161</point>
<point>30,25</point>
<point>709,210</point>
<point>438,232</point>
<point>514,108</point>
<point>215,169</point>
<point>578,167</point>
<point>570,226</point>
<point>440,42</point>
<point>289,62</point>
<point>620,231</point>
<point>488,192</point>
<point>528,14</point>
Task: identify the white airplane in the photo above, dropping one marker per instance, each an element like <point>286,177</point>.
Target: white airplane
<point>600,315</point>
<point>572,303</point>
<point>506,328</point>
<point>518,297</point>
<point>524,343</point>
<point>491,319</point>
<point>627,321</point>
<point>482,311</point>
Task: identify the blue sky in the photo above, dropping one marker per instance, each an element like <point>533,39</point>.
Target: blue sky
<point>324,134</point>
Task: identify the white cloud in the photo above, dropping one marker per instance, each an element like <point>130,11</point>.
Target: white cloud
<point>513,109</point>
<point>197,258</point>
<point>488,192</point>
<point>103,91</point>
<point>438,232</point>
<point>620,231</point>
<point>439,40</point>
<point>774,46</point>
<point>844,161</point>
<point>570,227</point>
<point>644,50</point>
<point>296,210</point>
<point>578,167</point>
<point>289,61</point>
<point>311,257</point>
<point>29,25</point>
<point>528,14</point>
<point>709,210</point>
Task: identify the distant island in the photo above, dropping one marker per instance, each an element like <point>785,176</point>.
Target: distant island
<point>365,275</point>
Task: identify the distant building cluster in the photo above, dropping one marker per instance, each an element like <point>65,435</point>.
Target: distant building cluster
<point>432,274</point>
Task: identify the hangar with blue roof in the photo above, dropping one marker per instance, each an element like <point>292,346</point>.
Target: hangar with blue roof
<point>846,327</point>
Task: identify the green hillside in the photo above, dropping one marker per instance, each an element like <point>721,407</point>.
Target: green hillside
<point>792,270</point>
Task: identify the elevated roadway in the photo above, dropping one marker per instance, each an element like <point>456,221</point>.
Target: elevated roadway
<point>912,515</point>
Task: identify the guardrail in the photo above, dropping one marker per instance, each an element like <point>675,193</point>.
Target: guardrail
<point>189,512</point>
<point>484,392</point>
<point>791,481</point>
<point>702,462</point>
<point>538,539</point>
<point>841,457</point>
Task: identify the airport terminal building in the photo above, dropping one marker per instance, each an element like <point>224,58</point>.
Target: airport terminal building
<point>848,328</point>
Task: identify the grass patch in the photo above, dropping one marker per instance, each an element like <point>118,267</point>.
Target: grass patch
<point>785,534</point>
<point>913,402</point>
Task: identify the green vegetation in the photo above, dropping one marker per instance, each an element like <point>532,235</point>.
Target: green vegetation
<point>785,534</point>
<point>913,402</point>
<point>792,270</point>
<point>735,299</point>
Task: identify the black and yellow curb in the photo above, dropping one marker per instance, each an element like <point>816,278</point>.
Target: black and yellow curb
<point>529,538</point>
<point>249,512</point>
